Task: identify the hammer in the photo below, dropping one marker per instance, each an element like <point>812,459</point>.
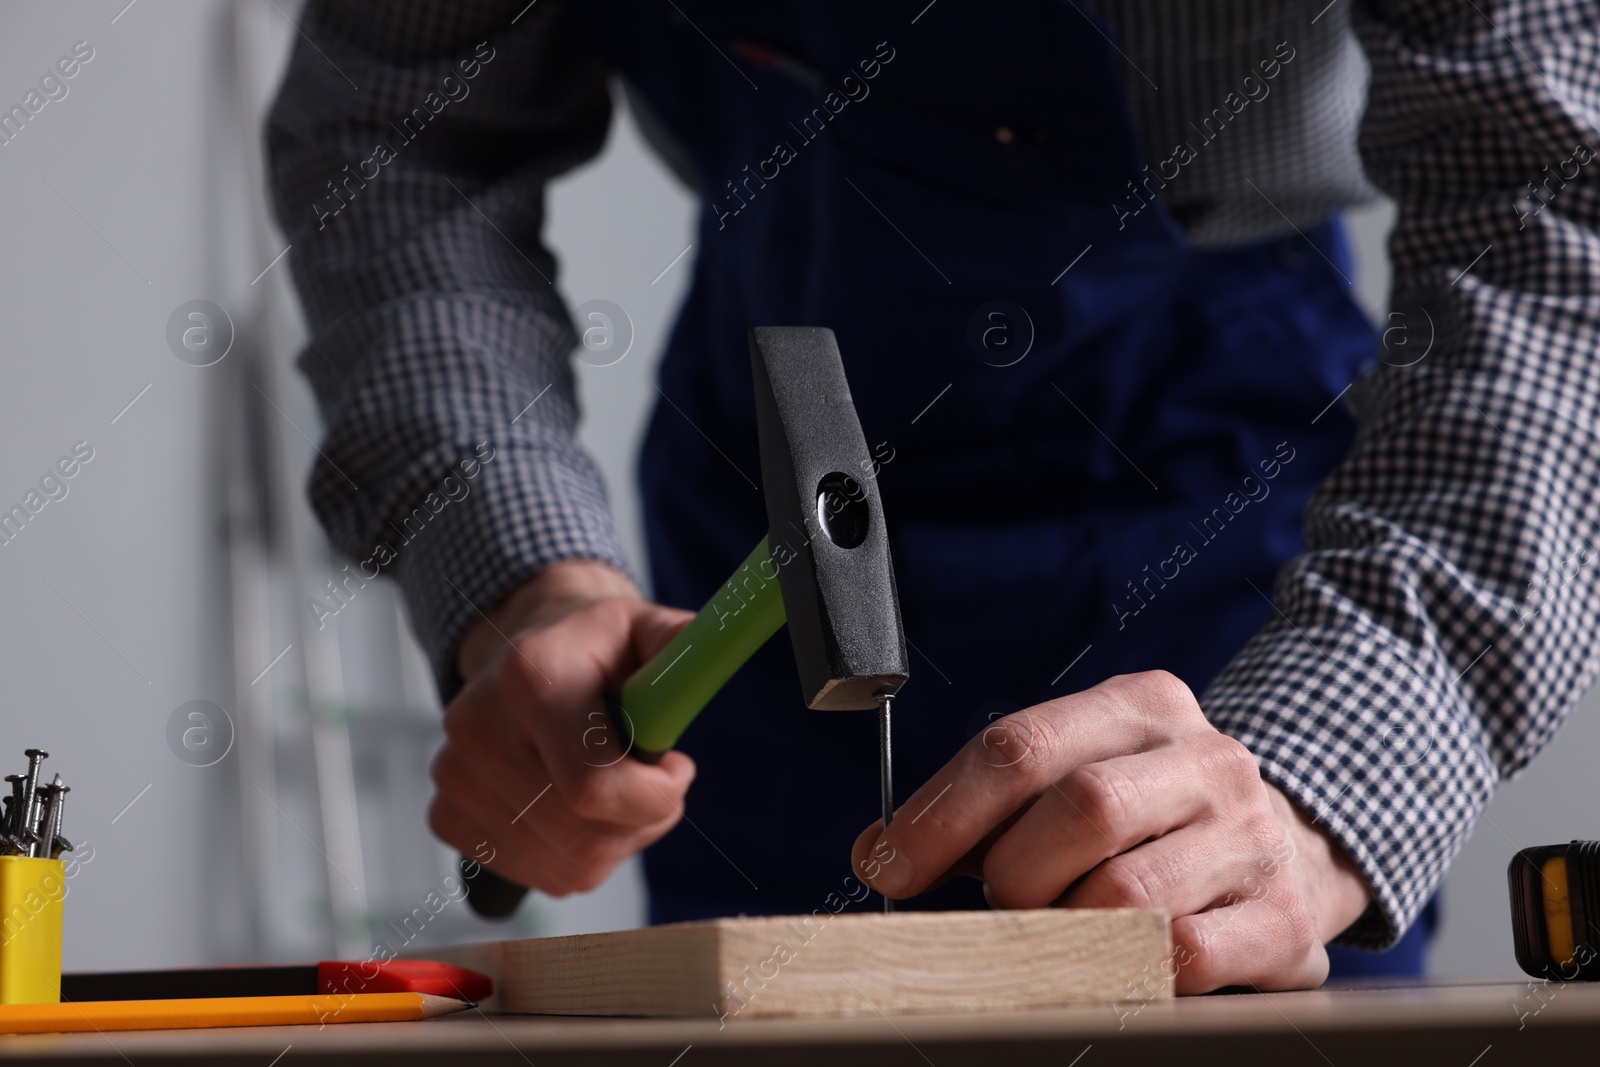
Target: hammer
<point>823,567</point>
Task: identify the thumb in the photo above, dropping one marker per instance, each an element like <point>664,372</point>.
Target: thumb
<point>653,628</point>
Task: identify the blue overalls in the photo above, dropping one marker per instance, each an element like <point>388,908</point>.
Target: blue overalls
<point>1058,388</point>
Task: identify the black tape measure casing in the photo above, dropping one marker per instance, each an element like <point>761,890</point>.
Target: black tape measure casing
<point>1555,910</point>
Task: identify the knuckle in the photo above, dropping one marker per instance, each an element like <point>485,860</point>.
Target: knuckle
<point>1236,757</point>
<point>1121,690</point>
<point>1128,700</point>
<point>447,772</point>
<point>595,796</point>
<point>615,613</point>
<point>1002,886</point>
<point>444,824</point>
<point>454,718</point>
<point>465,722</point>
<point>1195,958</point>
<point>1019,748</point>
<point>513,674</point>
<point>1020,763</point>
<point>1158,696</point>
<point>549,874</point>
<point>1171,694</point>
<point>1104,796</point>
<point>508,670</point>
<point>558,888</point>
<point>436,822</point>
<point>1263,848</point>
<point>1298,927</point>
<point>590,879</point>
<point>436,767</point>
<point>1127,883</point>
<point>610,617</point>
<point>1263,831</point>
<point>1234,764</point>
<point>591,852</point>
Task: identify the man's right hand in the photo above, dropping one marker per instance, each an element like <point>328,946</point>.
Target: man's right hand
<point>532,768</point>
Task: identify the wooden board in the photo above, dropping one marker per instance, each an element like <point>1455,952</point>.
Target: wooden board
<point>835,965</point>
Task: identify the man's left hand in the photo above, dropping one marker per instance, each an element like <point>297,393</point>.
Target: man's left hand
<point>1125,796</point>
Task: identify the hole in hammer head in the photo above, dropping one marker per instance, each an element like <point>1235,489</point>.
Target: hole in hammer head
<point>842,510</point>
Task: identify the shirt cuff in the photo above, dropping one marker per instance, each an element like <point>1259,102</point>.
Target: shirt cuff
<point>467,545</point>
<point>1372,737</point>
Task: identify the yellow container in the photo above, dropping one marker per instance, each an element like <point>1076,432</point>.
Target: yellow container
<point>31,895</point>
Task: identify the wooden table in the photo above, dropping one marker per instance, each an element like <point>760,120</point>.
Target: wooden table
<point>1454,1026</point>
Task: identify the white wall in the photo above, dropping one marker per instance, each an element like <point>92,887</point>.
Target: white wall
<point>109,597</point>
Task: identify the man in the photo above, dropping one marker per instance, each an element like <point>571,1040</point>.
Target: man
<point>1093,303</point>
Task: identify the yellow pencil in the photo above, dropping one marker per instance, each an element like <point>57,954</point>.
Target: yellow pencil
<point>222,1011</point>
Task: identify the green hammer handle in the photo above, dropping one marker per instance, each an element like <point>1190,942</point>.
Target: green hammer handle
<point>661,698</point>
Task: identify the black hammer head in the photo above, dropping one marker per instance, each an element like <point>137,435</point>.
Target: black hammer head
<point>826,531</point>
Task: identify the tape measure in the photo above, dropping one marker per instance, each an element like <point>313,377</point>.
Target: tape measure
<point>1555,910</point>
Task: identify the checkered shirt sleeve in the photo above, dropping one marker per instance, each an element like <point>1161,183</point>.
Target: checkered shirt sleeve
<point>1440,625</point>
<point>434,322</point>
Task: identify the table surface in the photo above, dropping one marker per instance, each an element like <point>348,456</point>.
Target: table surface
<point>1452,1025</point>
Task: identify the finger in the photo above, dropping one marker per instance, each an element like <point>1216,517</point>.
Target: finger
<point>619,636</point>
<point>652,630</point>
<point>496,810</point>
<point>507,790</point>
<point>551,687</point>
<point>1268,943</point>
<point>1185,872</point>
<point>487,765</point>
<point>1104,809</point>
<point>970,865</point>
<point>593,847</point>
<point>529,862</point>
<point>1013,760</point>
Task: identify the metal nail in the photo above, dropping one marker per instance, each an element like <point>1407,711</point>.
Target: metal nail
<point>50,826</point>
<point>14,805</point>
<point>35,756</point>
<point>37,838</point>
<point>9,845</point>
<point>885,770</point>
